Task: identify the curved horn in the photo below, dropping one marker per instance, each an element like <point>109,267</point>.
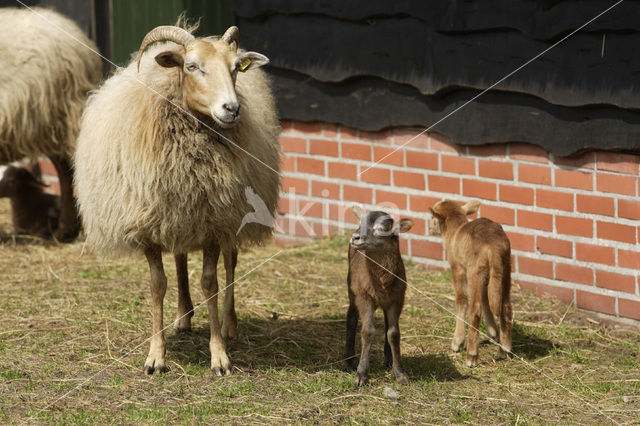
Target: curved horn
<point>231,35</point>
<point>166,32</point>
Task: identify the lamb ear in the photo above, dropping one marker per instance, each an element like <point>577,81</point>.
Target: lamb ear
<point>169,59</point>
<point>403,225</point>
<point>471,207</point>
<point>358,211</point>
<point>251,60</point>
<point>434,214</point>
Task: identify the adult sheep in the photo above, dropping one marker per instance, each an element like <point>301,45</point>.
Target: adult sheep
<point>48,68</point>
<point>167,149</point>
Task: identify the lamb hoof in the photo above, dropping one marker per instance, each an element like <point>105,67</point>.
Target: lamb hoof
<point>220,365</point>
<point>472,360</point>
<point>402,378</point>
<point>65,235</point>
<point>361,379</point>
<point>182,324</point>
<point>152,368</point>
<point>457,346</point>
<point>181,330</point>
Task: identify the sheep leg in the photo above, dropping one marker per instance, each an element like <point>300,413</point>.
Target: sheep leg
<point>352,324</point>
<point>489,320</point>
<point>388,356</point>
<point>367,334</point>
<point>185,306</point>
<point>475,294</point>
<point>219,361</point>
<point>229,318</point>
<point>459,283</point>
<point>155,360</point>
<point>393,337</point>
<point>68,223</point>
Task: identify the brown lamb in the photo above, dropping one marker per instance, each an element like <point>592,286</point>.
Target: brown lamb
<point>376,279</point>
<point>479,253</point>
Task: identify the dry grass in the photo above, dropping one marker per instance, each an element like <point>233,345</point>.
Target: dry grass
<point>68,318</point>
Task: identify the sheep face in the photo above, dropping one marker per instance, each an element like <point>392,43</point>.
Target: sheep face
<point>17,180</point>
<point>447,209</point>
<point>209,68</point>
<point>377,230</point>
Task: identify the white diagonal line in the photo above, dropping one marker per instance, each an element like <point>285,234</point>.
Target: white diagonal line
<point>492,340</point>
<point>493,85</point>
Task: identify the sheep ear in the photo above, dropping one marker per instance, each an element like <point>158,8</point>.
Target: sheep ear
<point>252,60</point>
<point>434,214</point>
<point>471,207</point>
<point>358,211</point>
<point>169,59</point>
<point>403,225</point>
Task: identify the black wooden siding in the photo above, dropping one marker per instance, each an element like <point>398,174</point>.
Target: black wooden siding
<point>377,64</point>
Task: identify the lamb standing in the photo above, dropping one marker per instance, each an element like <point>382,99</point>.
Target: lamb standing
<point>152,175</point>
<point>376,278</point>
<point>47,71</point>
<point>479,253</point>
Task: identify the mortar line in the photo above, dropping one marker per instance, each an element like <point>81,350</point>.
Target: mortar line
<point>147,340</point>
<point>491,339</point>
<point>493,85</point>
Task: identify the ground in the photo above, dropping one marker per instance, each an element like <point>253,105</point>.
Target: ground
<point>74,333</point>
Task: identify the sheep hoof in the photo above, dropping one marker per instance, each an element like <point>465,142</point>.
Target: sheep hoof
<point>472,360</point>
<point>402,378</point>
<point>65,235</point>
<point>220,364</point>
<point>350,365</point>
<point>361,379</point>
<point>155,368</point>
<point>456,346</point>
<point>220,371</point>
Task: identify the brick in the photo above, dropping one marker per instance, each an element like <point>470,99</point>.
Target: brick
<point>310,165</point>
<point>287,164</point>
<point>422,160</point>
<point>554,246</point>
<point>522,242</point>
<point>354,193</point>
<point>563,294</point>
<point>419,226</point>
<point>619,184</point>
<point>410,138</point>
<point>479,189</point>
<point>295,185</point>
<point>358,151</point>
<point>404,246</point>
<point>47,168</point>
<point>503,215</point>
<point>615,281</point>
<point>534,174</point>
<point>342,213</point>
<point>391,199</point>
<point>574,226</point>
<point>325,190</point>
<point>574,179</point>
<point>342,170</point>
<point>585,160</point>
<point>348,133</point>
<point>593,253</point>
<point>460,165</point>
<point>426,249</point>
<point>527,286</point>
<point>616,232</point>
<point>528,152</point>
<point>554,200</point>
<point>382,136</point>
<point>495,150</point>
<point>596,302</point>
<point>376,174</point>
<point>53,188</point>
<point>629,209</point>
<point>286,125</point>
<point>537,267</point>
<point>629,308</point>
<point>574,274</point>
<point>438,142</point>
<point>516,194</point>
<point>308,127</point>
<point>330,130</point>
<point>290,144</point>
<point>286,206</point>
<point>495,169</point>
<point>322,147</point>
<point>311,209</point>
<point>444,184</point>
<point>408,179</point>
<point>535,220</point>
<point>629,258</point>
<point>595,204</point>
<point>393,156</point>
<point>420,203</point>
<point>616,162</point>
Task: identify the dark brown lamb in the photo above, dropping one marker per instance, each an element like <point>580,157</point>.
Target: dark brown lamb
<point>376,279</point>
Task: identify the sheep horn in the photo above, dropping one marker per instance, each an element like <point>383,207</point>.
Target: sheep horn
<point>166,32</point>
<point>231,35</point>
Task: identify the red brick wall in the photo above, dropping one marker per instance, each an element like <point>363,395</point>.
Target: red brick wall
<point>573,222</point>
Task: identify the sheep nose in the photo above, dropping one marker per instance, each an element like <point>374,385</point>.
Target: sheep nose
<point>355,238</point>
<point>233,108</point>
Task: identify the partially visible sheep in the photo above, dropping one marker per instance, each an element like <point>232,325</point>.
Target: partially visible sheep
<point>151,175</point>
<point>45,78</point>
<point>33,212</point>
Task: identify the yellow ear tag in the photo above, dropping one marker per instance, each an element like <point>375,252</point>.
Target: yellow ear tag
<point>245,64</point>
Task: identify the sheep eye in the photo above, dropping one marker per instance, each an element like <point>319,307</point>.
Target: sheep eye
<point>191,67</point>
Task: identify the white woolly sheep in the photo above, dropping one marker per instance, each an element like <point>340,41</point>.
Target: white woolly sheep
<point>45,78</point>
<point>151,175</point>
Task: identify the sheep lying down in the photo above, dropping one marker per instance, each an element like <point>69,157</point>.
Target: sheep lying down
<point>167,149</point>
